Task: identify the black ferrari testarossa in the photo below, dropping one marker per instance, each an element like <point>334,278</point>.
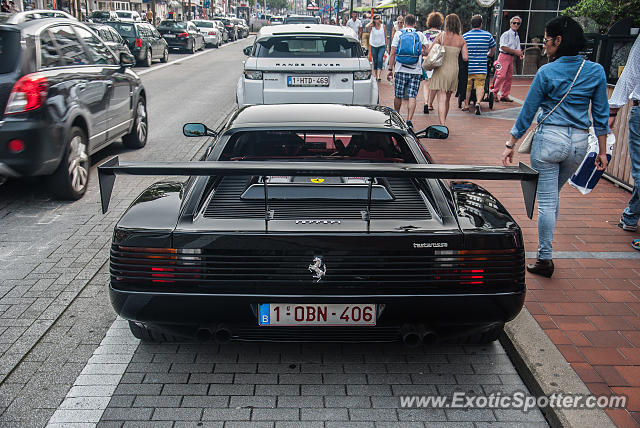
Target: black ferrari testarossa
<point>317,223</point>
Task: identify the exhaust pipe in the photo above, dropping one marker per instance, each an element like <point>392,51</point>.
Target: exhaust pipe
<point>222,335</point>
<point>410,335</point>
<point>428,337</point>
<point>203,335</point>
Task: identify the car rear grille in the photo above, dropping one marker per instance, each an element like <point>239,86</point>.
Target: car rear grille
<point>284,271</point>
<point>226,204</point>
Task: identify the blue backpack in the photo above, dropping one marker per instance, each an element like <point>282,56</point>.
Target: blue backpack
<point>409,47</point>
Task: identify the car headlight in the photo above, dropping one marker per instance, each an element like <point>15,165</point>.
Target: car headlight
<point>253,74</point>
<point>362,75</point>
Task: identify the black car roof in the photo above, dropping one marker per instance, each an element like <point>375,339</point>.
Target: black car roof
<point>325,116</point>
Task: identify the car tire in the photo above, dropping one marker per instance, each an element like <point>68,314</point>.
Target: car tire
<point>148,59</point>
<point>192,49</point>
<point>149,334</point>
<point>165,55</point>
<point>139,134</point>
<point>69,182</point>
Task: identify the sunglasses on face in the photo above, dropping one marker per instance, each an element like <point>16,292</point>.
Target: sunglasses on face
<point>515,23</point>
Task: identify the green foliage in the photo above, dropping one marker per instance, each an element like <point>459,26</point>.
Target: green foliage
<point>465,9</point>
<point>605,12</point>
<point>277,4</point>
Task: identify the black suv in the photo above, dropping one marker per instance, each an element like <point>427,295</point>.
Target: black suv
<point>63,96</point>
<point>144,41</point>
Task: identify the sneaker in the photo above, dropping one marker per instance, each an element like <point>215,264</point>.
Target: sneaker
<point>477,109</point>
<point>627,227</point>
<point>409,124</point>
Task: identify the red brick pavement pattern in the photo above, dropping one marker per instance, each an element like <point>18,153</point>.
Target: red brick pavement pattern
<point>591,307</point>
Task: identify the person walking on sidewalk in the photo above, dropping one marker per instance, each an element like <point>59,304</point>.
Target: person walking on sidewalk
<point>407,48</point>
<point>509,49</point>
<point>445,78</point>
<point>378,42</point>
<point>561,141</point>
<point>434,27</point>
<point>628,87</point>
<point>480,44</point>
<point>355,24</point>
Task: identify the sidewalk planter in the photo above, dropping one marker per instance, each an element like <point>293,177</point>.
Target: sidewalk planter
<point>619,169</point>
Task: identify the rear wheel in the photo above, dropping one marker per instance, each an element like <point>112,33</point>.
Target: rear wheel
<point>148,59</point>
<point>165,55</point>
<point>70,180</point>
<point>137,138</point>
<point>149,334</point>
<point>192,48</point>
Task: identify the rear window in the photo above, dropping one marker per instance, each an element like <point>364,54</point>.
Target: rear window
<point>309,145</point>
<point>301,20</point>
<point>99,15</point>
<point>203,24</point>
<point>124,14</point>
<point>307,46</point>
<point>125,30</point>
<point>9,51</point>
<point>170,25</point>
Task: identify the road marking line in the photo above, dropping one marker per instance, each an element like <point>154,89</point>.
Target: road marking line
<point>141,73</point>
<point>91,392</point>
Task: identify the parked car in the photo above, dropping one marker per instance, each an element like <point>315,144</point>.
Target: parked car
<point>243,28</point>
<point>276,20</point>
<point>230,26</point>
<point>210,31</point>
<point>301,19</point>
<point>63,96</point>
<point>295,63</point>
<point>128,16</point>
<point>223,30</point>
<point>143,40</point>
<point>111,38</point>
<point>181,35</point>
<point>30,15</point>
<point>101,16</point>
<point>318,223</point>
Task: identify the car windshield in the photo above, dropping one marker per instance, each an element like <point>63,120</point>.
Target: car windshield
<point>125,30</point>
<point>124,14</point>
<point>203,24</point>
<point>9,51</point>
<point>322,145</point>
<point>173,24</point>
<point>307,46</point>
<point>99,15</point>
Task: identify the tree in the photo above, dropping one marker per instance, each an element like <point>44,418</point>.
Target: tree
<point>276,5</point>
<point>465,9</point>
<point>605,12</point>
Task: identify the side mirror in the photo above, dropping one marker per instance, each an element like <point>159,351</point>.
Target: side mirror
<point>247,50</point>
<point>437,132</point>
<point>126,59</point>
<point>197,130</point>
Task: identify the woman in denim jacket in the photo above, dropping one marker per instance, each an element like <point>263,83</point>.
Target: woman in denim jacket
<point>560,144</point>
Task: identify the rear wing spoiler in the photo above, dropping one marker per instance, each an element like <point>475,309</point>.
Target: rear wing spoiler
<point>528,177</point>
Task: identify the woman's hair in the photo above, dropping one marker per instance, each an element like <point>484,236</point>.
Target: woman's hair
<point>452,24</point>
<point>573,39</point>
<point>434,20</point>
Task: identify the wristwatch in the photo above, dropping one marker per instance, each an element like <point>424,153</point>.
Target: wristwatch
<point>509,146</point>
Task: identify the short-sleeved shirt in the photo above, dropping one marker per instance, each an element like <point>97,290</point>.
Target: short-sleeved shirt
<point>478,42</point>
<point>510,39</point>
<point>354,25</point>
<point>411,68</point>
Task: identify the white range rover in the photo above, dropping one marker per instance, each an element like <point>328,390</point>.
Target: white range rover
<point>306,63</point>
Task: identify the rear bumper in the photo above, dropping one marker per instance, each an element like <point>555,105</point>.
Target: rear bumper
<point>43,147</point>
<point>176,43</point>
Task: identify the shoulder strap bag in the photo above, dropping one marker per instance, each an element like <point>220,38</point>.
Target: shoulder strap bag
<point>525,146</point>
<point>435,57</point>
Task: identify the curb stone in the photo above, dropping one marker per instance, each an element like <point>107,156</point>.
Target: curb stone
<point>545,371</point>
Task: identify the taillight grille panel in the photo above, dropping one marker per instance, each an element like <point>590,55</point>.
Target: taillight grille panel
<point>233,271</point>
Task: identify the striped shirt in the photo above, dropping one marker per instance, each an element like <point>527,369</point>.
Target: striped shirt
<point>628,85</point>
<point>478,42</point>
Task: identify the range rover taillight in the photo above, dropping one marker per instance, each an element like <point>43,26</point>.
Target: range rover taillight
<point>28,93</point>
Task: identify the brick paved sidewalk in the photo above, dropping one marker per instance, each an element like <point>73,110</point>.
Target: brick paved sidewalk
<point>591,307</point>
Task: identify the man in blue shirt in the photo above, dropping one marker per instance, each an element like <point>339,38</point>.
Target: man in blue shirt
<point>480,44</point>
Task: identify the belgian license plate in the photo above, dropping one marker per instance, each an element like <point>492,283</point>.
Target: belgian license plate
<point>308,80</point>
<point>316,314</point>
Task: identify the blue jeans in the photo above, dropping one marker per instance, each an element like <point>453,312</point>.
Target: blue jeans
<point>556,153</point>
<point>377,53</point>
<point>631,214</point>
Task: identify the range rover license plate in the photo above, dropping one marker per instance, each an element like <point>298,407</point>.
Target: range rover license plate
<point>316,314</point>
<point>308,80</point>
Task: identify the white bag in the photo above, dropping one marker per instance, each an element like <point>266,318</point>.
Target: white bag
<point>587,175</point>
<point>385,61</point>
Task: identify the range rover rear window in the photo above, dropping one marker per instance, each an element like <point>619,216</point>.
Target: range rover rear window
<point>9,51</point>
<point>307,46</point>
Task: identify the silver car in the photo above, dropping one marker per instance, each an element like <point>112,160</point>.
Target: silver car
<point>210,31</point>
<point>306,63</point>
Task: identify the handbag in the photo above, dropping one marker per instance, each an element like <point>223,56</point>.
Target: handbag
<point>525,146</point>
<point>435,57</point>
<point>587,175</point>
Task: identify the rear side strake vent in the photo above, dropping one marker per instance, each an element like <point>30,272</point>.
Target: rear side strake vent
<point>227,204</point>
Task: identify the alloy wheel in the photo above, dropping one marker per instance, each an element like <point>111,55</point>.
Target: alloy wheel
<point>141,122</point>
<point>78,163</point>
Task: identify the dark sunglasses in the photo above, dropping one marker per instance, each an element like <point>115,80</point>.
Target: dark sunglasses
<point>515,23</point>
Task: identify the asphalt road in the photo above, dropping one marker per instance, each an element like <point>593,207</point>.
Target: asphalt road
<point>65,362</point>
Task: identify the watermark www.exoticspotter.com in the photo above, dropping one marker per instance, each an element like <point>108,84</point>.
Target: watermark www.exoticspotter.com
<point>517,400</point>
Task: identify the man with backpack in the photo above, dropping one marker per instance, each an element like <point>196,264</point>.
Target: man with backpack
<point>407,48</point>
